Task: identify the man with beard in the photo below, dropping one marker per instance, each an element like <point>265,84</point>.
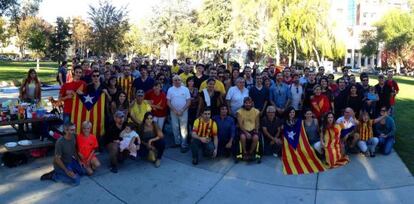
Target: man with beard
<point>249,121</point>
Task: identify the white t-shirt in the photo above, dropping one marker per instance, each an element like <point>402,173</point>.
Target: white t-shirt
<point>236,97</point>
<point>126,139</point>
<point>178,96</point>
<point>296,93</point>
<point>347,123</point>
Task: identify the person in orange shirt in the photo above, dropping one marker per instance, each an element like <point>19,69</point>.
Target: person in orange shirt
<point>205,136</point>
<point>87,144</point>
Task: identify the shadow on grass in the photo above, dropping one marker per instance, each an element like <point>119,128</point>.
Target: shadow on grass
<point>405,136</point>
<point>28,64</point>
<point>405,80</point>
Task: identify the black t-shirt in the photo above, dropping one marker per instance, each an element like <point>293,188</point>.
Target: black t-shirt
<point>199,81</point>
<point>271,126</point>
<point>113,133</point>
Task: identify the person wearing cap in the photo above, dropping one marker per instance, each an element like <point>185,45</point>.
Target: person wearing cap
<point>138,108</point>
<point>384,94</point>
<point>249,120</point>
<point>112,139</point>
<point>179,100</point>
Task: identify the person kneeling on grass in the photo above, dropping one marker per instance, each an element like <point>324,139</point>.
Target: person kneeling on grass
<point>205,136</point>
<point>66,165</point>
<point>87,144</point>
<point>130,142</point>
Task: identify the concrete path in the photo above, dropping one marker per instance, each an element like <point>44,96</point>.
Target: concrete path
<point>383,179</point>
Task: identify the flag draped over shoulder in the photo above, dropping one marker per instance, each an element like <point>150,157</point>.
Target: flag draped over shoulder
<point>333,151</point>
<point>298,156</point>
<point>90,107</point>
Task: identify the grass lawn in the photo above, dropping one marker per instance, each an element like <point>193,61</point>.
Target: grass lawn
<point>12,71</point>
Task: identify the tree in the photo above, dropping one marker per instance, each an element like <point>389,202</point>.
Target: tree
<point>109,24</point>
<point>214,30</point>
<point>4,33</point>
<point>188,40</point>
<point>81,36</point>
<point>5,5</point>
<point>369,43</point>
<point>396,31</point>
<point>36,34</point>
<point>60,40</point>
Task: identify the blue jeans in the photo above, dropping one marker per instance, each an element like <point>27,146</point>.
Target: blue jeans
<point>74,166</point>
<point>179,128</point>
<point>66,118</point>
<point>386,144</point>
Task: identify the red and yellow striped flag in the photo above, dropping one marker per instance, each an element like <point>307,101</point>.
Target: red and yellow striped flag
<point>298,156</point>
<point>126,85</point>
<point>91,108</point>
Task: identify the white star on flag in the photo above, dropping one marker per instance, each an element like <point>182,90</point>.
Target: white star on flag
<point>291,134</point>
<point>88,98</point>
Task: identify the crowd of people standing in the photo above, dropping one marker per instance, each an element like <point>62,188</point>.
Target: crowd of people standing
<point>224,110</point>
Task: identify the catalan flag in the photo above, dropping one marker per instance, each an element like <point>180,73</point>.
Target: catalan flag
<point>298,156</point>
<point>332,139</point>
<point>90,107</point>
<point>126,85</point>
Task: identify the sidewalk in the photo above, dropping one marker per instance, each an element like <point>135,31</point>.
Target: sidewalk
<point>383,179</point>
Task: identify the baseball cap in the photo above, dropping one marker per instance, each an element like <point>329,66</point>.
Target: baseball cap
<point>119,114</point>
<point>140,92</point>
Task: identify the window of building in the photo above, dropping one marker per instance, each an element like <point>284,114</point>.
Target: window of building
<point>362,61</point>
<point>348,60</point>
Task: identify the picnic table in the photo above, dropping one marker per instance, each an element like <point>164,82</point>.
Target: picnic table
<point>21,133</point>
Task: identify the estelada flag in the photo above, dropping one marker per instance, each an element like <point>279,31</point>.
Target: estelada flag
<point>90,107</point>
<point>298,156</point>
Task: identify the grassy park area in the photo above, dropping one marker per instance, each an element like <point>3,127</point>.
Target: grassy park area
<point>11,71</point>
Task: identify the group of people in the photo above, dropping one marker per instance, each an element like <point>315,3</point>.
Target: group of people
<point>222,110</point>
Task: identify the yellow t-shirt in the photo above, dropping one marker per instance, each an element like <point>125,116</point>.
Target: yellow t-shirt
<point>184,77</point>
<point>175,69</point>
<point>218,86</point>
<point>248,118</point>
<point>139,110</point>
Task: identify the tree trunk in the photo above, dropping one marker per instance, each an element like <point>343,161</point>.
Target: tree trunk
<point>294,53</point>
<point>37,64</point>
<point>318,59</point>
<point>277,57</point>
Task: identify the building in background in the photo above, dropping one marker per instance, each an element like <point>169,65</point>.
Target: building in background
<point>361,15</point>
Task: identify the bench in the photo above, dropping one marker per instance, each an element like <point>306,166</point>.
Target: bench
<point>35,144</point>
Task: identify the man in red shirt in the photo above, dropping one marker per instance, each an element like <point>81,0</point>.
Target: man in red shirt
<point>68,90</point>
<point>394,90</point>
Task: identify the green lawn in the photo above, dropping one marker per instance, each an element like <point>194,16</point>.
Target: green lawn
<point>17,71</point>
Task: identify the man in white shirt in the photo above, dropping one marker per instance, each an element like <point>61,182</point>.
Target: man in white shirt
<point>235,96</point>
<point>179,100</point>
<point>349,123</point>
<point>296,93</point>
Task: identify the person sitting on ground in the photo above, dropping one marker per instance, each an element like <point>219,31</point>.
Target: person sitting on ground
<point>385,131</point>
<point>130,141</point>
<point>204,135</point>
<point>367,142</point>
<point>248,120</point>
<point>226,130</point>
<point>86,144</point>
<point>271,127</point>
<point>349,122</point>
<point>152,139</point>
<point>66,166</point>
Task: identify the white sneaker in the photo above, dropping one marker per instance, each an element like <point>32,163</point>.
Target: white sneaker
<point>275,155</point>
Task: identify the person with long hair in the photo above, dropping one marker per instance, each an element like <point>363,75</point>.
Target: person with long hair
<point>354,100</point>
<point>211,98</point>
<point>330,142</point>
<point>152,139</point>
<point>30,88</point>
<point>120,103</point>
<point>319,102</point>
<point>158,101</point>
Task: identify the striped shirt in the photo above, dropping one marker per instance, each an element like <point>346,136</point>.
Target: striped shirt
<point>365,130</point>
<point>205,129</point>
<point>126,85</point>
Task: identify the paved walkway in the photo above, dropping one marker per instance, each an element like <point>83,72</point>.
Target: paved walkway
<point>383,179</point>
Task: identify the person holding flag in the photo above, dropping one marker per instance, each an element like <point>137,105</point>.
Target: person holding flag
<point>298,156</point>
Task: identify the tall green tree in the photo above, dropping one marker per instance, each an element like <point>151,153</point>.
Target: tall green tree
<point>188,39</point>
<point>396,31</point>
<point>60,40</point>
<point>109,24</point>
<point>5,5</point>
<point>369,42</point>
<point>80,36</point>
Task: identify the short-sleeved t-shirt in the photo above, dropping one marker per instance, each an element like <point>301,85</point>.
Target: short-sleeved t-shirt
<point>205,129</point>
<point>63,72</point>
<point>248,118</point>
<point>74,86</point>
<point>185,76</point>
<point>236,98</point>
<point>139,110</point>
<point>346,123</point>
<point>218,86</point>
<point>271,126</point>
<point>160,100</point>
<point>86,144</point>
<point>66,149</point>
<point>178,96</point>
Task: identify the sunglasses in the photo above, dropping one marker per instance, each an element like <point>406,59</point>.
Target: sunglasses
<point>95,75</point>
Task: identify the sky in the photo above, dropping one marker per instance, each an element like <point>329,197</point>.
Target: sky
<point>138,9</point>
